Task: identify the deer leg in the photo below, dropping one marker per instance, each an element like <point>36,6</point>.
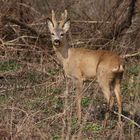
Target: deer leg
<point>117,91</point>
<point>79,85</point>
<point>105,86</point>
<point>108,95</point>
<point>110,102</point>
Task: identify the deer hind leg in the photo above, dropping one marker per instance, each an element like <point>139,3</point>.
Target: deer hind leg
<point>79,88</point>
<point>117,91</point>
<point>105,85</point>
<point>108,95</point>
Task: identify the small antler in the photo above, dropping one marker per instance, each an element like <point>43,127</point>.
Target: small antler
<point>63,18</point>
<point>54,19</point>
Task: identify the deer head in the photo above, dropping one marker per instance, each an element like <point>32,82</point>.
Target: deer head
<point>58,29</point>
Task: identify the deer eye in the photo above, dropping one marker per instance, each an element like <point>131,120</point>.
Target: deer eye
<point>61,34</point>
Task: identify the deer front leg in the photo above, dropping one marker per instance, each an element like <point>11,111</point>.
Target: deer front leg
<point>79,88</point>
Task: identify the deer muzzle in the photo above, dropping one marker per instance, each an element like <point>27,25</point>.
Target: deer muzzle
<point>56,42</point>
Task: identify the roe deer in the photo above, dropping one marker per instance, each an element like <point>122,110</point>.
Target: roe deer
<point>83,64</point>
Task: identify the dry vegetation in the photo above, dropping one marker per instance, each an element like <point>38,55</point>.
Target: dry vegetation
<point>32,83</point>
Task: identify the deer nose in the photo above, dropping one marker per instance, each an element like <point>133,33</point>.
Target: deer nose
<point>56,41</point>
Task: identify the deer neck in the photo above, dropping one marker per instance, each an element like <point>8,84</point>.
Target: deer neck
<point>62,52</point>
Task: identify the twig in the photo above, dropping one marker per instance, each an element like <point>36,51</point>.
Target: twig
<point>131,55</point>
<point>54,117</point>
<point>132,121</point>
<point>91,22</point>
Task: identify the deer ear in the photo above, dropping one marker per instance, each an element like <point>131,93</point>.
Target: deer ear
<point>50,24</point>
<point>66,26</point>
